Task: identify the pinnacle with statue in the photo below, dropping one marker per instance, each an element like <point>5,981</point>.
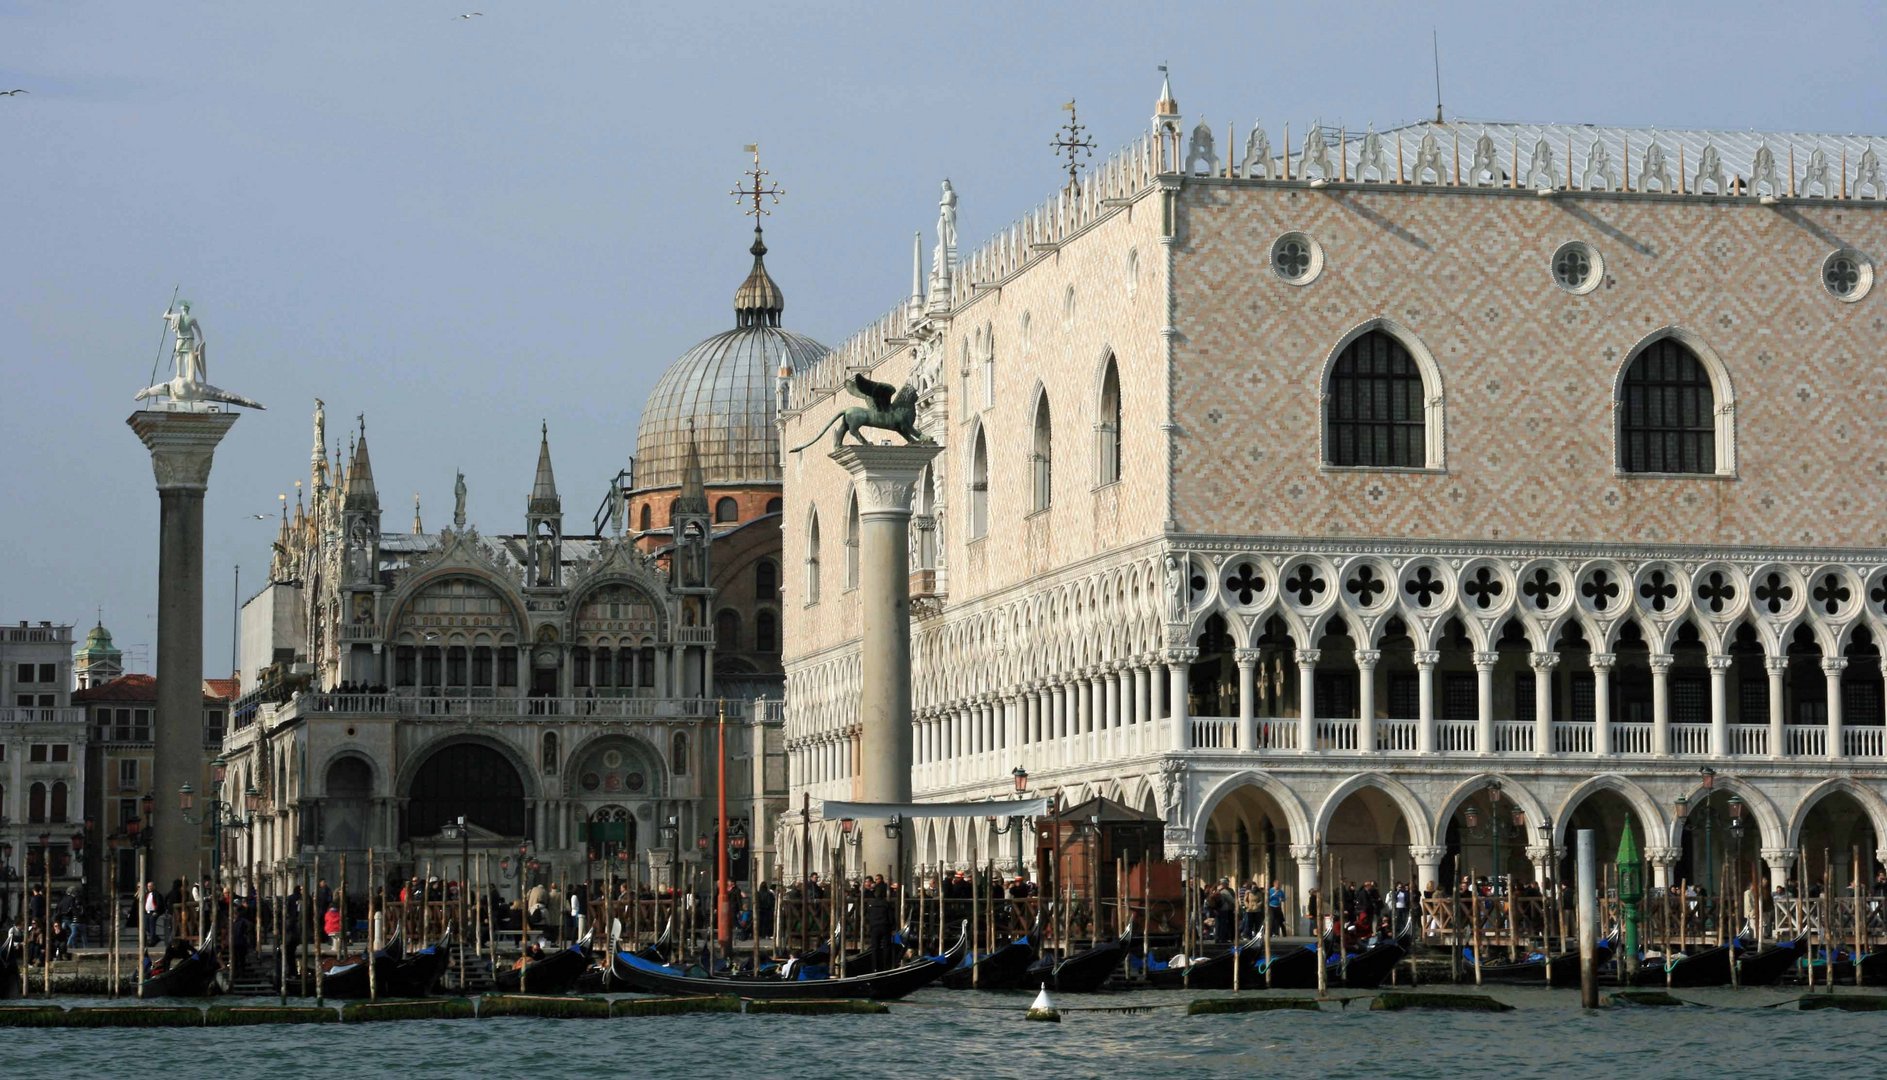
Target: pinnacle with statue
<point>892,409</point>
<point>188,386</point>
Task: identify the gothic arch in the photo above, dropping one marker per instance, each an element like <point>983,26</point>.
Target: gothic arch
<point>376,777</point>
<point>1510,788</point>
<point>414,761</point>
<point>1414,814</point>
<point>505,590</point>
<point>1651,817</point>
<point>1433,395</point>
<point>1723,391</point>
<point>1295,813</point>
<point>1769,824</point>
<point>1869,799</point>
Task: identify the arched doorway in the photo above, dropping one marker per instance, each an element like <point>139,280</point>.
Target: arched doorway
<point>469,779</point>
<point>1367,840</point>
<point>1487,837</point>
<point>1248,836</point>
<point>1836,832</point>
<point>346,813</point>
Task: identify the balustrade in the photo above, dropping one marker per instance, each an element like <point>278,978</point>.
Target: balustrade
<point>1214,733</point>
<point>1455,736</point>
<point>1572,738</point>
<point>1806,740</point>
<point>1864,742</point>
<point>1513,737</point>
<point>1693,739</point>
<point>1749,740</point>
<point>1338,735</point>
<point>1397,736</point>
<point>1631,738</point>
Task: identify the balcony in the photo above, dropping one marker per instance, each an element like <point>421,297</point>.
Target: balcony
<point>22,714</point>
<point>460,707</point>
<point>1521,738</point>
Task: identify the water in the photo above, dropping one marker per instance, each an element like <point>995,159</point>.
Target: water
<point>960,1036</point>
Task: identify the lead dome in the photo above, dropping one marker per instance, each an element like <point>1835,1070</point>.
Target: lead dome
<point>725,386</point>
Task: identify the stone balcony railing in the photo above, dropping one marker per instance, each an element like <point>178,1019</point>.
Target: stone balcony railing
<point>459,707</point>
<point>42,714</point>
<point>1283,739</point>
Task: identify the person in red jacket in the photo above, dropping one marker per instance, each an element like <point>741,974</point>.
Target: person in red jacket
<point>331,926</point>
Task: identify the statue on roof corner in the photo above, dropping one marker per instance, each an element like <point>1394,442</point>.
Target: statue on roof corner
<point>892,409</point>
<point>188,386</point>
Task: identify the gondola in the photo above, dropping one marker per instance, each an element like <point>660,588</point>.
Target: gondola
<point>1873,969</point>
<point>191,976</point>
<point>417,975</point>
<point>1210,973</point>
<point>652,978</point>
<point>350,980</point>
<point>1706,967</point>
<point>1083,973</point>
<point>1293,969</point>
<point>1005,969</point>
<point>10,964</point>
<point>556,973</point>
<point>1766,967</point>
<point>1532,971</point>
<point>1367,970</point>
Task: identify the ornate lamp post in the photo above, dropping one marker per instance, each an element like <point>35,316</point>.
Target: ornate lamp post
<point>1472,816</point>
<point>1737,824</point>
<point>894,831</point>
<point>1015,821</point>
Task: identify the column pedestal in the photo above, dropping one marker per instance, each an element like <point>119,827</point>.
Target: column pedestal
<point>182,442</point>
<point>884,478</point>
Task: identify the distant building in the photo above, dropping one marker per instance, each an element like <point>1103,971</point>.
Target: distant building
<point>42,744</point>
<point>554,690</point>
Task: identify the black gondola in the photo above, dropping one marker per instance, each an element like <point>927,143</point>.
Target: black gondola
<point>190,976</point>
<point>1767,966</point>
<point>1532,971</point>
<point>1083,973</point>
<point>349,981</point>
<point>1873,968</point>
<point>10,964</point>
<point>1295,969</point>
<point>652,978</point>
<point>1707,967</point>
<point>418,974</point>
<point>554,974</point>
<point>1005,969</point>
<point>1367,970</point>
<point>1211,973</point>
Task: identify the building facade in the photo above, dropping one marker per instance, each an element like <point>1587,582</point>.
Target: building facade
<point>42,760</point>
<point>1353,498</point>
<point>566,695</point>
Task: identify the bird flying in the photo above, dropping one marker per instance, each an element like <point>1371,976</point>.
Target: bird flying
<point>471,15</point>
<point>10,93</point>
<point>262,517</point>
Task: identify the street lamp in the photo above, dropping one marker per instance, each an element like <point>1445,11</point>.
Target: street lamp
<point>1471,815</point>
<point>219,812</point>
<point>1021,776</point>
<point>894,830</point>
<point>671,832</point>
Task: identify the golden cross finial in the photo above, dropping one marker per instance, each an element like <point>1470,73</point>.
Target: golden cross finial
<point>760,190</point>
<point>1072,141</point>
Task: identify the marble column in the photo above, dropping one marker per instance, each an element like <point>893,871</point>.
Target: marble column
<point>1366,661</point>
<point>1110,740</point>
<point>1179,713</point>
<point>182,442</point>
<point>1781,861</point>
<point>884,477</point>
<point>1543,665</point>
<point>1428,869</point>
<point>1832,667</point>
<point>1661,703</point>
<point>1777,668</point>
<point>1719,705</point>
<point>1307,699</point>
<point>1247,660</point>
<point>1602,702</point>
<point>1425,661</point>
<point>1484,702</point>
<point>1306,856</point>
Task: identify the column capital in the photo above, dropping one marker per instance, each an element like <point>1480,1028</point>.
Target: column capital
<point>1368,658</point>
<point>885,476</point>
<point>1309,657</point>
<point>1540,852</point>
<point>1779,857</point>
<point>1181,656</point>
<point>1485,661</point>
<point>1543,661</point>
<point>1603,661</point>
<point>1664,855</point>
<point>1305,854</point>
<point>1834,665</point>
<point>1660,662</point>
<point>1428,853</point>
<point>1720,661</point>
<point>1776,665</point>
<point>1427,657</point>
<point>182,443</point>
<point>1249,657</point>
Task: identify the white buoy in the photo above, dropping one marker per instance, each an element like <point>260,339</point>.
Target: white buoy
<point>1044,1009</point>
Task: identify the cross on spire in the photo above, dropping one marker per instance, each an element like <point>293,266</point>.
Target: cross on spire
<point>760,189</point>
<point>1071,141</point>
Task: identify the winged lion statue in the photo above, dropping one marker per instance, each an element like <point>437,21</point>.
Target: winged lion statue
<point>891,409</point>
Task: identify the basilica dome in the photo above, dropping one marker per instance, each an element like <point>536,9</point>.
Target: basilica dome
<point>725,386</point>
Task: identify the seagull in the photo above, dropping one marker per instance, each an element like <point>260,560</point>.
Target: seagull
<point>10,93</point>
<point>471,15</point>
<point>262,517</point>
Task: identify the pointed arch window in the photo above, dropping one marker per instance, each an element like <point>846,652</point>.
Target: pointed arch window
<point>1375,406</point>
<point>851,541</point>
<point>812,559</point>
<point>1042,457</point>
<point>1667,412</point>
<point>979,486</point>
<point>1107,431</point>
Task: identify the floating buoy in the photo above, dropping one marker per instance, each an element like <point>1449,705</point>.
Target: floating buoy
<point>1044,1009</point>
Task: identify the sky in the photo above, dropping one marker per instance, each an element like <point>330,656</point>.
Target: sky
<point>461,227</point>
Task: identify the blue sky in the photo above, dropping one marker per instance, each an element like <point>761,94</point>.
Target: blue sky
<point>460,227</point>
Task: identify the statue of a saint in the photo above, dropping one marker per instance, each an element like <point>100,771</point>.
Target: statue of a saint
<point>946,252</point>
<point>1175,590</point>
<point>187,384</point>
<point>321,423</point>
<point>618,508</point>
<point>458,502</point>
